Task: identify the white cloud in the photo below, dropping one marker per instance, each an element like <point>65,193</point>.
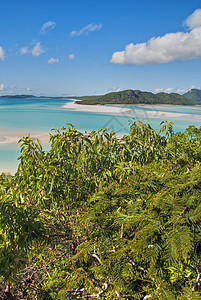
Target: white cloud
<point>162,90</point>
<point>2,55</point>
<point>168,48</point>
<point>37,50</point>
<point>194,20</point>
<point>2,86</point>
<point>47,26</point>
<point>170,90</point>
<point>52,61</point>
<point>13,89</point>
<point>115,89</point>
<point>180,91</point>
<point>85,30</point>
<point>23,50</point>
<point>174,90</point>
<point>71,56</point>
<point>194,87</point>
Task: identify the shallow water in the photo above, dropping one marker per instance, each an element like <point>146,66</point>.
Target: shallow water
<point>19,117</point>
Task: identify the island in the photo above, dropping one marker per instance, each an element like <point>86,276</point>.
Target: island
<point>135,97</point>
<point>192,97</point>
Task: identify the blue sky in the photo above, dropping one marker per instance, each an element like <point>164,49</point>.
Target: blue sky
<point>63,48</point>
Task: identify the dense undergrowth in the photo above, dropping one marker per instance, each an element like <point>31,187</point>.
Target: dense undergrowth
<point>98,216</point>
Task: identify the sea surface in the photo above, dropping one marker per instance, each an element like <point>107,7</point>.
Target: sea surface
<point>37,116</point>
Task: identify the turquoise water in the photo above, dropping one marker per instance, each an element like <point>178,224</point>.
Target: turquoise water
<point>37,116</point>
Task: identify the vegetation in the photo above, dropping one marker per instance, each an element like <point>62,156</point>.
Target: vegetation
<point>194,95</point>
<point>18,96</point>
<point>129,97</point>
<point>136,97</point>
<point>103,217</point>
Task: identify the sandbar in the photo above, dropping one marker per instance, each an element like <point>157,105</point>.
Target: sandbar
<point>166,115</point>
<point>95,108</point>
<point>122,110</point>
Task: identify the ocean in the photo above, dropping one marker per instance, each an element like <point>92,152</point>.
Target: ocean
<point>20,117</point>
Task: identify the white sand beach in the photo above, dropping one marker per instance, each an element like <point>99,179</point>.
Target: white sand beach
<point>13,138</point>
<point>95,108</point>
<point>10,149</point>
<point>166,115</point>
<point>139,113</point>
<point>159,114</point>
<point>8,137</point>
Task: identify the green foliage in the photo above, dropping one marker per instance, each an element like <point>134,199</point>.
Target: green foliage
<point>136,97</point>
<point>101,216</point>
<point>194,95</point>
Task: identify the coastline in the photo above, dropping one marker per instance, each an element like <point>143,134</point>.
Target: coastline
<point>95,108</point>
<point>10,149</point>
<point>14,138</point>
<point>8,137</point>
<point>139,113</point>
<point>111,115</point>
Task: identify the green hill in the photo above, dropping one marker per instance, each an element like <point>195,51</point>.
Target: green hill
<point>136,97</point>
<point>18,96</point>
<point>194,95</point>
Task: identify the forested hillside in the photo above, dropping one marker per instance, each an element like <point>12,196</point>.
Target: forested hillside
<point>194,95</point>
<point>136,97</point>
<point>103,217</point>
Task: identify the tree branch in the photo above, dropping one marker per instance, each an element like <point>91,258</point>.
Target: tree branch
<point>94,296</point>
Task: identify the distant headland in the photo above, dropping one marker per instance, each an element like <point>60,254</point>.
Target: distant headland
<point>24,96</point>
<point>136,97</point>
<point>192,97</point>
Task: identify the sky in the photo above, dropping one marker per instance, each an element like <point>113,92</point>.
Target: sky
<point>84,47</point>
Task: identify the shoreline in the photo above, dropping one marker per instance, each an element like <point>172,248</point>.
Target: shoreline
<point>8,137</point>
<point>94,108</point>
<point>14,138</point>
<point>129,112</point>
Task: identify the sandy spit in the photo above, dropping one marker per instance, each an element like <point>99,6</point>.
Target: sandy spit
<point>95,108</point>
<point>155,113</point>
